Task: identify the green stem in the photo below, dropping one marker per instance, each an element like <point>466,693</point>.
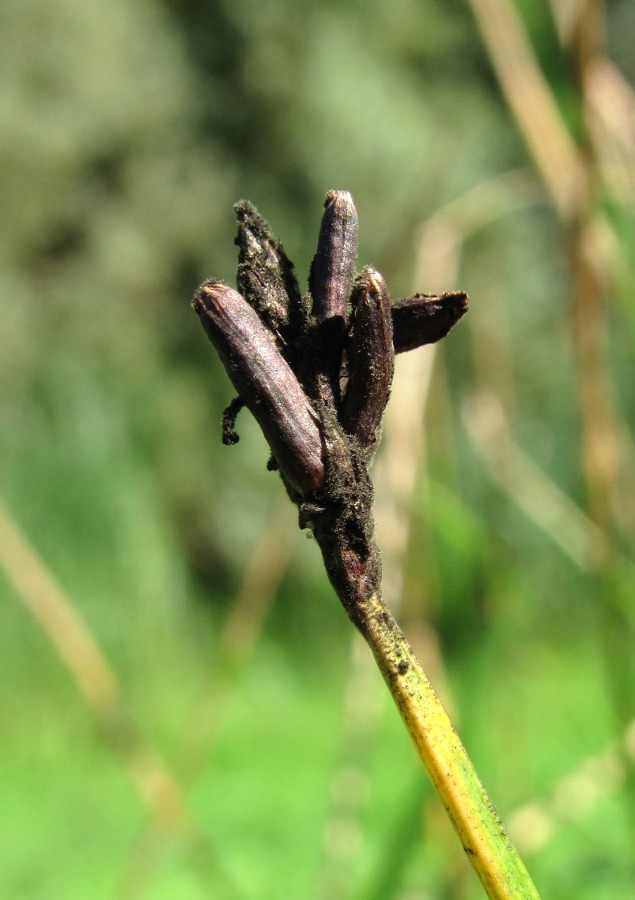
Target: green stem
<point>481,832</point>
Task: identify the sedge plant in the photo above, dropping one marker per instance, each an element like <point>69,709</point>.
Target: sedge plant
<point>315,370</point>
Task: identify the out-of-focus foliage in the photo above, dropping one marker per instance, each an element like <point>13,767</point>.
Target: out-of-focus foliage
<point>128,130</point>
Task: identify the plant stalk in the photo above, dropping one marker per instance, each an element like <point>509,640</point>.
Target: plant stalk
<point>476,822</point>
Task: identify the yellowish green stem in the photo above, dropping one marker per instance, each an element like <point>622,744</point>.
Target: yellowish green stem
<point>481,832</point>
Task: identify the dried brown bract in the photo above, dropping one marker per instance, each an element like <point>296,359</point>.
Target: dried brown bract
<point>284,354</point>
<point>370,359</point>
<point>426,318</point>
<point>265,383</point>
<point>266,276</point>
<point>334,263</point>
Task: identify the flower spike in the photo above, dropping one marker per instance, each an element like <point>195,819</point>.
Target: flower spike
<point>265,383</point>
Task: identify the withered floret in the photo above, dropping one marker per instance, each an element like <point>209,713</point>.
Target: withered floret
<point>334,263</point>
<point>370,358</point>
<point>266,276</point>
<point>316,370</point>
<point>265,382</point>
<point>425,318</point>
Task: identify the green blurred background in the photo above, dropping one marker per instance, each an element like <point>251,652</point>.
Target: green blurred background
<point>489,147</point>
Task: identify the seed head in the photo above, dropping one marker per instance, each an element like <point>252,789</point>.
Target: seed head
<point>265,383</point>
<point>370,359</point>
<point>334,263</point>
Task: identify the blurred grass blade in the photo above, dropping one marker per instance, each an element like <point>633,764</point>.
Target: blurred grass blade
<point>39,592</point>
<point>531,101</point>
<point>611,122</point>
<point>523,481</point>
<point>236,645</point>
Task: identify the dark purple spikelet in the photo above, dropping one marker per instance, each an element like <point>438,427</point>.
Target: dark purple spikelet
<point>266,276</point>
<point>333,266</point>
<point>265,383</point>
<point>370,359</point>
<point>425,319</point>
<point>288,355</point>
